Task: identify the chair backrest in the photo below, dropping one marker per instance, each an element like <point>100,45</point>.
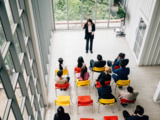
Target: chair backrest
<point>123,82</point>
<point>65,72</point>
<point>116,67</point>
<point>98,69</point>
<point>62,86</point>
<point>99,85</point>
<point>127,101</point>
<point>106,101</point>
<point>86,119</point>
<point>77,69</point>
<point>62,102</point>
<point>85,102</point>
<point>82,83</point>
<point>110,117</point>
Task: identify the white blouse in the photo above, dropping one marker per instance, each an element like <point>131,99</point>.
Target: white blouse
<point>89,29</point>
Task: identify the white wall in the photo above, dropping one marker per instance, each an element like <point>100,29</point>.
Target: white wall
<point>137,9</point>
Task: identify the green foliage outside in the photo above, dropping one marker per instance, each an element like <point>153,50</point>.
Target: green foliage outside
<point>60,8</point>
<point>120,12</point>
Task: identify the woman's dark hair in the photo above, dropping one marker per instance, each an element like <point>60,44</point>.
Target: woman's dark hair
<point>60,60</point>
<point>122,63</point>
<point>80,62</point>
<point>59,73</point>
<point>139,110</point>
<point>60,112</point>
<point>83,71</point>
<point>90,20</point>
<point>99,57</point>
<point>122,55</point>
<point>130,89</point>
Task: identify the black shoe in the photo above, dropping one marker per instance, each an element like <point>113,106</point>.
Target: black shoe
<point>86,51</point>
<point>91,51</point>
<point>124,105</point>
<point>120,87</point>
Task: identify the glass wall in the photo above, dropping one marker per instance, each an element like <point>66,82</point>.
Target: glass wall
<point>139,38</point>
<point>19,78</point>
<point>70,14</point>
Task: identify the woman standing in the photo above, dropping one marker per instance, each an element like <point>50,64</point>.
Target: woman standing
<point>89,27</point>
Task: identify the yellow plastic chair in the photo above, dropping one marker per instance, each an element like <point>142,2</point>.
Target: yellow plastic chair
<point>97,69</point>
<point>63,101</point>
<point>121,83</point>
<point>65,72</point>
<point>106,102</point>
<point>82,84</point>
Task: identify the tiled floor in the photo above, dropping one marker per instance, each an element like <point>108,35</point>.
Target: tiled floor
<point>70,45</point>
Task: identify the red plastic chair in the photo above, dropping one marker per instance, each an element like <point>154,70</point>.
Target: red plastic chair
<point>116,67</point>
<point>86,119</point>
<point>77,69</point>
<point>110,118</point>
<point>61,86</point>
<point>98,85</point>
<point>84,101</point>
<point>125,101</point>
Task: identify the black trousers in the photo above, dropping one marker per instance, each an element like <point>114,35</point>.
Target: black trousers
<point>89,38</point>
<point>125,114</point>
<point>91,64</point>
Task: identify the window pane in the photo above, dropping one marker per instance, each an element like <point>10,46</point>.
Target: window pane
<point>60,12</point>
<point>9,13</point>
<point>11,115</point>
<point>74,14</point>
<point>102,13</point>
<point>3,99</point>
<point>2,38</point>
<point>89,9</point>
<point>9,66</point>
<point>24,71</point>
<point>16,42</point>
<point>25,114</point>
<point>18,94</point>
<point>114,16</point>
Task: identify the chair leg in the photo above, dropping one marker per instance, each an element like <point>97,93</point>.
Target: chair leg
<point>70,109</point>
<point>56,91</point>
<point>112,109</point>
<point>115,89</point>
<point>92,107</point>
<point>119,106</point>
<point>98,107</point>
<point>133,107</point>
<point>77,109</point>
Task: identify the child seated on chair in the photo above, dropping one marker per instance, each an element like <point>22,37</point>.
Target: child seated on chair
<point>120,57</point>
<point>105,92</point>
<point>122,72</point>
<point>61,65</point>
<point>83,75</point>
<point>128,94</point>
<point>138,114</point>
<point>80,64</point>
<point>61,80</point>
<point>105,75</point>
<point>98,63</point>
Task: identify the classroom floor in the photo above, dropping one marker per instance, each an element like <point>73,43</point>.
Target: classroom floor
<point>70,44</point>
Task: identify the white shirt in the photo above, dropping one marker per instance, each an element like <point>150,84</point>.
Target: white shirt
<point>63,65</point>
<point>89,29</point>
